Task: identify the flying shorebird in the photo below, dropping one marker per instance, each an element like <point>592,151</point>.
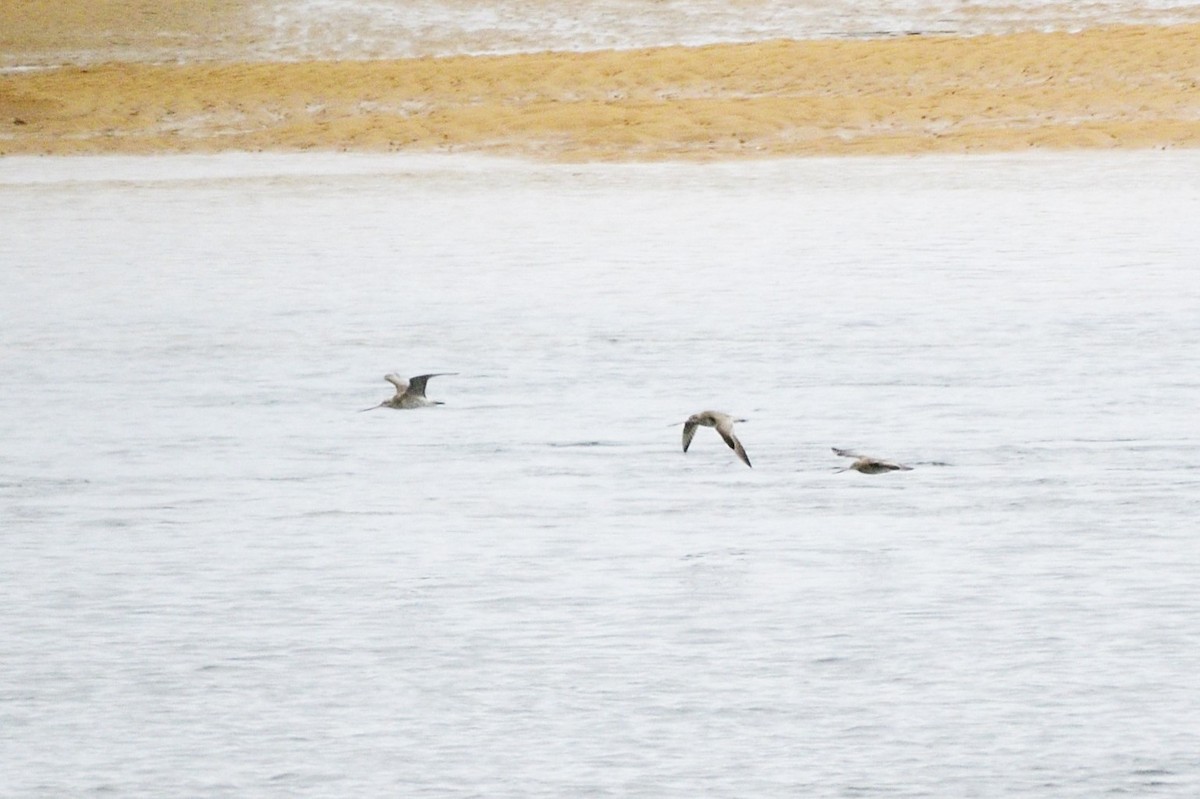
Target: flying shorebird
<point>868,465</point>
<point>724,424</point>
<point>409,393</point>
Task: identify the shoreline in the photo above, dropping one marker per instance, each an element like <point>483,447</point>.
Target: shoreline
<point>1113,87</point>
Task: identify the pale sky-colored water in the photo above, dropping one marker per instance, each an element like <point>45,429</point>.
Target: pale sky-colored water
<point>400,28</point>
<point>365,29</point>
<point>220,579</point>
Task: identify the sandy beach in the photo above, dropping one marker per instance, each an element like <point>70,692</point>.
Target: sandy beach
<point>1119,86</point>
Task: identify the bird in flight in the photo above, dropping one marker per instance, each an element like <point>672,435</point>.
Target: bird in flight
<point>723,423</point>
<point>868,465</point>
<point>410,393</point>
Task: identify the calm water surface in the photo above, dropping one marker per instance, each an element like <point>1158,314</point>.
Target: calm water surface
<point>220,579</point>
<point>365,29</point>
<point>401,28</point>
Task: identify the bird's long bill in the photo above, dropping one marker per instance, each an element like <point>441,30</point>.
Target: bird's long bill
<point>373,407</point>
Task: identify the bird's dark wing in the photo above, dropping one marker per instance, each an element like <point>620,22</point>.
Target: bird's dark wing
<point>736,446</point>
<point>878,466</point>
<point>416,385</point>
<point>689,432</point>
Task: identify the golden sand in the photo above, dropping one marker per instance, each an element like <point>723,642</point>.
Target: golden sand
<point>49,30</point>
<point>1121,86</point>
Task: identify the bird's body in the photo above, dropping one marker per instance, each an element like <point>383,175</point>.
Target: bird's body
<point>868,465</point>
<point>723,423</point>
<point>409,393</point>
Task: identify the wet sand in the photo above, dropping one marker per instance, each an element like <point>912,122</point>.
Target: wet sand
<point>1121,86</point>
<point>87,31</point>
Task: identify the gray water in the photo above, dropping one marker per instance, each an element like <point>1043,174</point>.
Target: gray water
<point>220,579</point>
